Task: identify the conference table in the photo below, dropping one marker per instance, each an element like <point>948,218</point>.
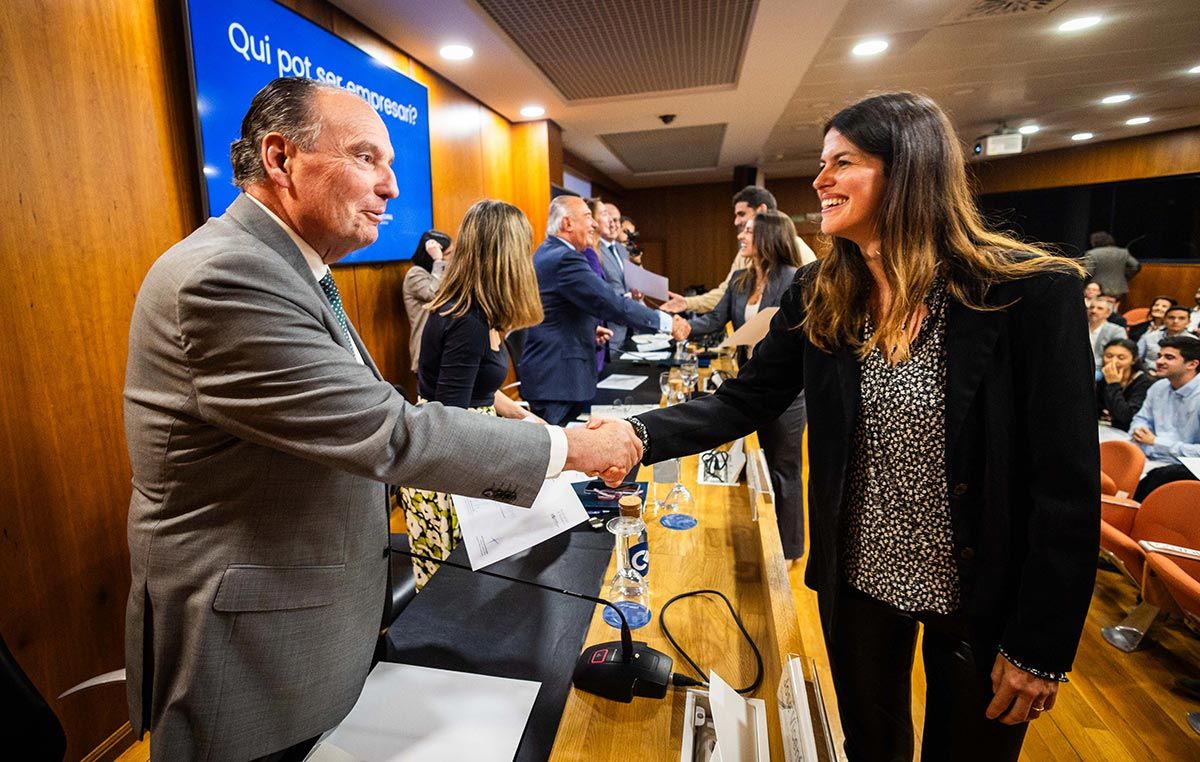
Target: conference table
<point>474,623</point>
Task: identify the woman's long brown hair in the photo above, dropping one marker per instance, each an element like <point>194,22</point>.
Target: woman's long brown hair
<point>774,244</point>
<point>928,226</point>
<point>492,267</point>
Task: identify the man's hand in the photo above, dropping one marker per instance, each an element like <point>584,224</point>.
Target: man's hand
<point>1020,696</point>
<point>1143,435</point>
<point>636,295</point>
<point>602,335</point>
<point>680,329</point>
<point>606,447</point>
<point>675,303</point>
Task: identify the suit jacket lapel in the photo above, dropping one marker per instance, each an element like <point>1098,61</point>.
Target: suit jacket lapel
<point>247,214</point>
<point>970,342</point>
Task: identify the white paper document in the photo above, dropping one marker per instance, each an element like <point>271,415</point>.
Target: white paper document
<point>1193,465</point>
<point>664,354</point>
<point>646,338</point>
<point>650,284</point>
<point>409,714</point>
<point>621,381</point>
<point>493,531</point>
<point>752,331</point>
<point>618,411</point>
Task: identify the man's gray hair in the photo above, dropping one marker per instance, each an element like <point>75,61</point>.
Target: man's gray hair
<point>1101,300</point>
<point>283,106</point>
<point>558,212</point>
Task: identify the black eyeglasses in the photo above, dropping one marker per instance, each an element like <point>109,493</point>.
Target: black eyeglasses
<point>615,493</point>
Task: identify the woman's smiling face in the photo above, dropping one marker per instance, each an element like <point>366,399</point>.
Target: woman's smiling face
<point>850,187</point>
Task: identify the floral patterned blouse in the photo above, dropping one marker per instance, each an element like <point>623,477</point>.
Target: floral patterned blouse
<point>897,540</point>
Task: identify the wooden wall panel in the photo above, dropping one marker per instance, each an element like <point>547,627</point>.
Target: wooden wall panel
<point>533,157</point>
<point>1157,155</point>
<point>1179,281</point>
<point>100,178</point>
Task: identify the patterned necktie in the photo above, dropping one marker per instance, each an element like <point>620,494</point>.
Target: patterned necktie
<point>335,302</point>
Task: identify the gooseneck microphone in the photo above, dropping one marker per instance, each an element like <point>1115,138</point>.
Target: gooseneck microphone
<point>617,671</point>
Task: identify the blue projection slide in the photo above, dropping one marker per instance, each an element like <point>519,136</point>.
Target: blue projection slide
<point>237,48</point>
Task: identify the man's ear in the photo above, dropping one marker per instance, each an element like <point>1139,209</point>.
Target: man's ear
<point>275,153</point>
<point>760,208</point>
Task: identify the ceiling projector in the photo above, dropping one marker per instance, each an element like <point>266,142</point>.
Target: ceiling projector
<point>1002,142</point>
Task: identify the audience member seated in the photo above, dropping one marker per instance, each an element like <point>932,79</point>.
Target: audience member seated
<point>769,239</point>
<point>1122,390</point>
<point>1194,315</point>
<point>1100,331</point>
<point>1168,426</point>
<point>1091,290</point>
<point>1175,323</point>
<point>421,283</point>
<point>1114,306</point>
<point>488,289</point>
<point>1157,319</point>
<point>1110,265</point>
<point>558,369</point>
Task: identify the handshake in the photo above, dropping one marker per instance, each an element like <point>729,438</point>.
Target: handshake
<point>606,447</point>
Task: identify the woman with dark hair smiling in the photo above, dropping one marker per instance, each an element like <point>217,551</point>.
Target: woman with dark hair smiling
<point>769,240</point>
<point>1122,389</point>
<point>954,474</point>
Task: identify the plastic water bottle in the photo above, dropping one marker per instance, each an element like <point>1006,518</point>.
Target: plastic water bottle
<point>628,589</point>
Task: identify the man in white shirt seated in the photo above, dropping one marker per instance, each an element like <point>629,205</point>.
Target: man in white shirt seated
<point>1167,427</point>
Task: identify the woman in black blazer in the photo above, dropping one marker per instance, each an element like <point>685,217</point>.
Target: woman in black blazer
<point>769,239</point>
<point>1122,387</point>
<point>954,475</point>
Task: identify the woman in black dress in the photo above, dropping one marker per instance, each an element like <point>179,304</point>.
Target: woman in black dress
<point>954,464</point>
<point>488,290</point>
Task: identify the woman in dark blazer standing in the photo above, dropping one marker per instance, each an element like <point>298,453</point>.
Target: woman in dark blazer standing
<point>769,239</point>
<point>954,475</point>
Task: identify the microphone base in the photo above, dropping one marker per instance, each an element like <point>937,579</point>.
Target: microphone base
<point>601,670</point>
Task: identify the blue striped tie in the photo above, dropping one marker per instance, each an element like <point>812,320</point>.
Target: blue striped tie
<point>335,302</point>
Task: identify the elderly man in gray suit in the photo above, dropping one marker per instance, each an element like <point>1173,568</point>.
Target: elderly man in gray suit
<point>261,435</point>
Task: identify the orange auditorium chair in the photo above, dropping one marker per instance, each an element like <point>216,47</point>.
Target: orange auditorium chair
<point>1122,462</point>
<point>1136,315</point>
<point>1168,516</point>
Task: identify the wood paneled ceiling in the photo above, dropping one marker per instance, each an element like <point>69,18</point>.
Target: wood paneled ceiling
<point>594,66</point>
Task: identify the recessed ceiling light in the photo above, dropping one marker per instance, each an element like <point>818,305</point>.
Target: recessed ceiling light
<point>532,112</point>
<point>1082,136</point>
<point>1134,122</point>
<point>1194,70</point>
<point>1083,22</point>
<point>1028,129</point>
<point>456,52</point>
<point>1118,98</point>
<point>870,47</point>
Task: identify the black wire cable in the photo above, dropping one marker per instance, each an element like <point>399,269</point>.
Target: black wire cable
<point>662,622</point>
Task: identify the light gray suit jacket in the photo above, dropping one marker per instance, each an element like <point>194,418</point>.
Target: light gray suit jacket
<point>258,526</point>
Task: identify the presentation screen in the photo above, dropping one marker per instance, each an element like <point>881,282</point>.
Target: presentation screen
<point>237,48</point>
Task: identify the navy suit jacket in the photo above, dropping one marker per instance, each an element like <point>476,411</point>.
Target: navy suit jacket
<point>559,361</point>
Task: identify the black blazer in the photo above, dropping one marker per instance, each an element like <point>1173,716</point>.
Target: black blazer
<point>1023,460</point>
<point>1123,404</point>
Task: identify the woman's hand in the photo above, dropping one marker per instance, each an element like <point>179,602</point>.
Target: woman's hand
<point>507,408</point>
<point>434,250</point>
<point>1020,695</point>
<point>680,329</point>
<point>1111,374</point>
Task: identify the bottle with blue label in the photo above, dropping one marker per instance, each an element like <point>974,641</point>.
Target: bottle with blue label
<point>629,591</point>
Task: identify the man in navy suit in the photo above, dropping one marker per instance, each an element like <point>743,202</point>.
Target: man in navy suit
<point>558,368</point>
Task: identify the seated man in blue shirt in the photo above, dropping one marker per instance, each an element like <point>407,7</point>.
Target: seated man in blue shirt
<point>1167,427</point>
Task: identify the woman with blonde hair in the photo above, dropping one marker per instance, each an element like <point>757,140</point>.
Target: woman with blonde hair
<point>954,467</point>
<point>488,290</point>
